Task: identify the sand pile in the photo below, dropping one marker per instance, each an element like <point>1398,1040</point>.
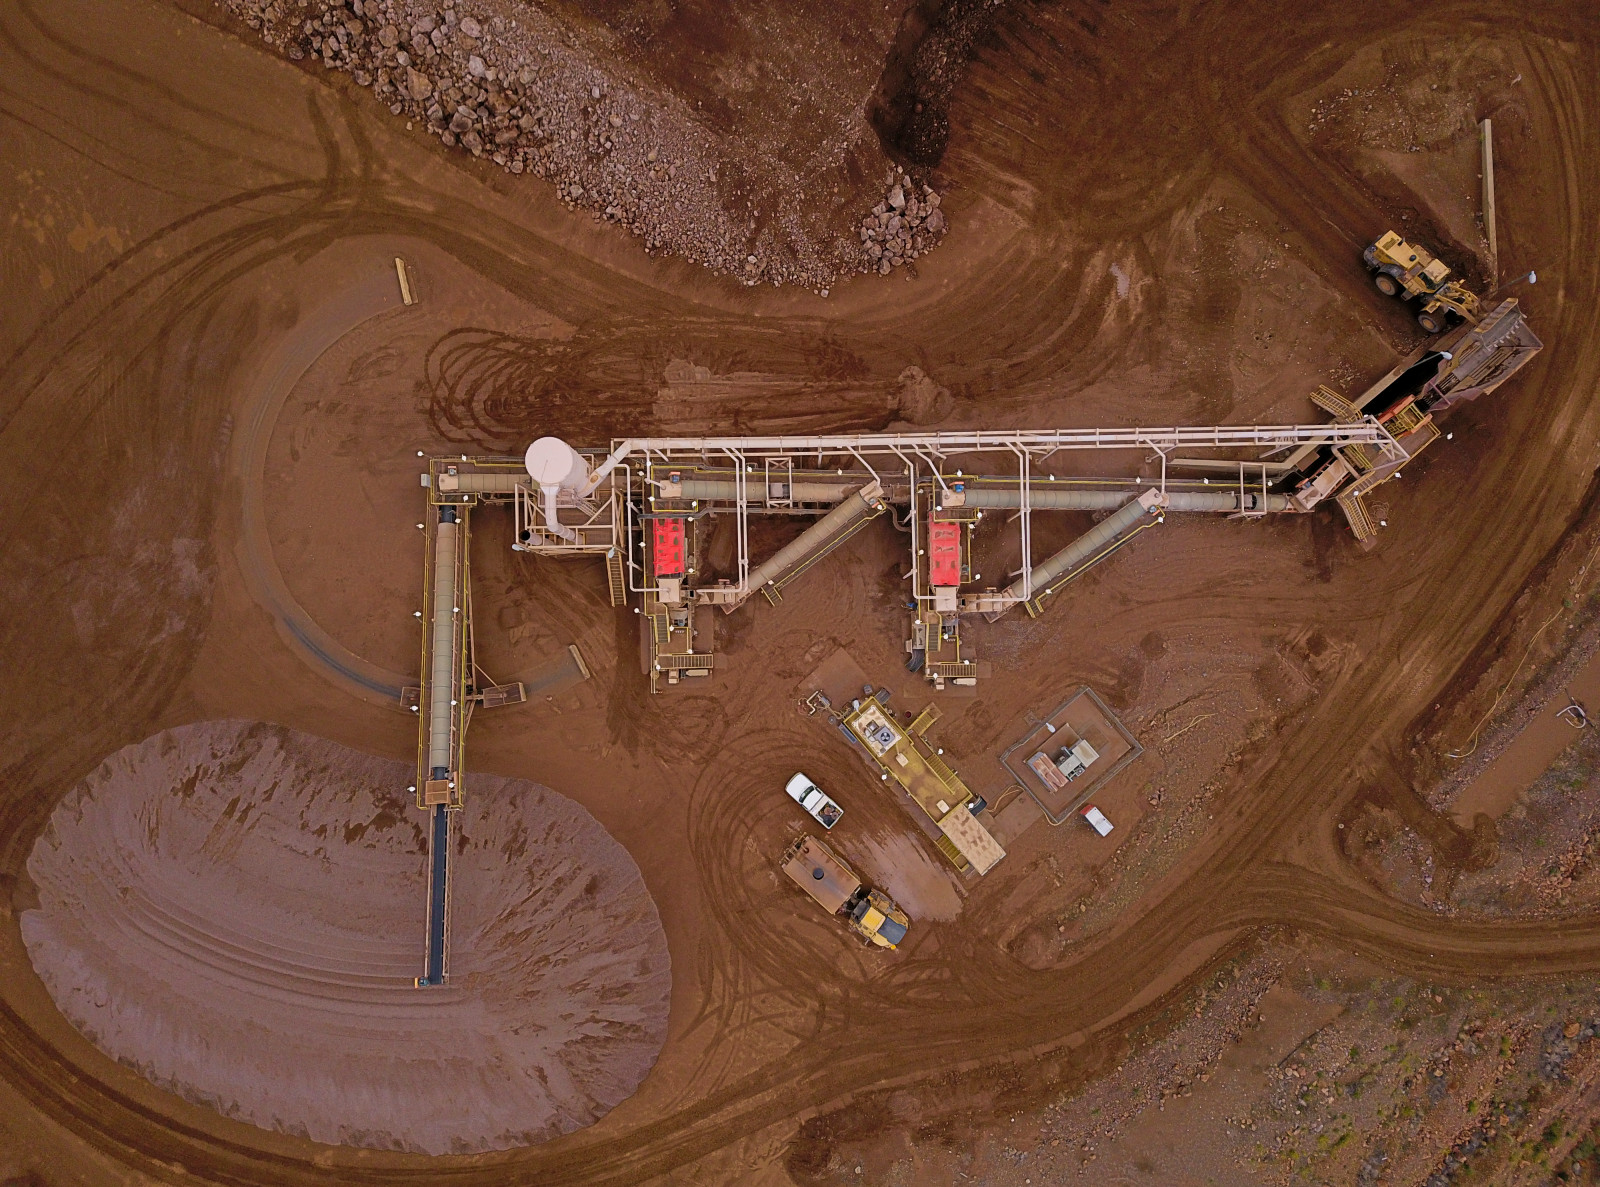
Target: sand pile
<point>237,910</point>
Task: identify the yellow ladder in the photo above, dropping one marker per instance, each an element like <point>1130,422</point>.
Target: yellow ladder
<point>1331,402</point>
<point>925,719</point>
<point>616,577</point>
<point>661,629</point>
<point>1355,510</point>
<point>947,847</point>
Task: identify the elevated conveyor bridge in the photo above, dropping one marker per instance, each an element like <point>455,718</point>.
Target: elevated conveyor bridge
<point>621,503</point>
<point>452,685</point>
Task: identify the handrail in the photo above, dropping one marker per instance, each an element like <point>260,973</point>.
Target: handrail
<point>1364,432</point>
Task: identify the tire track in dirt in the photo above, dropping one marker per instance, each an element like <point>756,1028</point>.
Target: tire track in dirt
<point>1270,858</point>
<point>373,293</point>
<point>491,390</point>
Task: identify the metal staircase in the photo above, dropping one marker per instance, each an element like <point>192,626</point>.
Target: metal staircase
<point>1355,510</point>
<point>616,577</point>
<point>1335,405</point>
<point>947,847</point>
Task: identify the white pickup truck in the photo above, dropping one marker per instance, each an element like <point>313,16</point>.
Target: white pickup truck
<point>812,798</point>
<point>1097,818</point>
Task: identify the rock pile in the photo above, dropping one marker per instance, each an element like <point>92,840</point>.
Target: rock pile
<point>518,92</point>
<point>903,226</point>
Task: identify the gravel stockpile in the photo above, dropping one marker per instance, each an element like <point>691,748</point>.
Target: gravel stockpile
<point>526,93</point>
<point>237,911</point>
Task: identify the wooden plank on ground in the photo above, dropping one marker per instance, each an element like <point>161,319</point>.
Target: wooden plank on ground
<point>1487,129</point>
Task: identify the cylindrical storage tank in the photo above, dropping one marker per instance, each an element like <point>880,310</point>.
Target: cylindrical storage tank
<point>556,467</point>
<point>552,462</point>
<point>442,663</point>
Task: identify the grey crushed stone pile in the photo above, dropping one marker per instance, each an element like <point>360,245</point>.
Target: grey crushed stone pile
<point>522,94</point>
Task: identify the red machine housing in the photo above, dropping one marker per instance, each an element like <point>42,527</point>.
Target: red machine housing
<point>668,553</point>
<point>944,553</point>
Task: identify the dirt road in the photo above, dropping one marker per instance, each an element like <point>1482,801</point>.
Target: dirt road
<point>1157,213</point>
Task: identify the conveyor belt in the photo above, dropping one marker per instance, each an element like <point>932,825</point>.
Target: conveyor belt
<point>437,969</point>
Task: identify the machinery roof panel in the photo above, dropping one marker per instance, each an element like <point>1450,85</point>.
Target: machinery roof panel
<point>944,553</point>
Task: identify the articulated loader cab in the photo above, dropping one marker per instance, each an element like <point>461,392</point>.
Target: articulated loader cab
<point>822,874</point>
<point>1410,272</point>
<point>877,920</point>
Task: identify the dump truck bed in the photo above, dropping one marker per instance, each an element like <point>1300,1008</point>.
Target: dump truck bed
<point>820,872</point>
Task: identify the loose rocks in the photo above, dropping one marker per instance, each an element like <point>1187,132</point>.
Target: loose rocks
<point>907,223</point>
<point>524,95</point>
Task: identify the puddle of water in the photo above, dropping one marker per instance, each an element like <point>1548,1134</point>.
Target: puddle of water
<point>912,877</point>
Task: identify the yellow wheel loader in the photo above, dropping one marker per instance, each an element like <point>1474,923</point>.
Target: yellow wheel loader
<point>1411,273</point>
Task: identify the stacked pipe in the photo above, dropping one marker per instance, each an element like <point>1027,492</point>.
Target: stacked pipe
<point>1041,497</point>
<point>798,492</point>
<point>1222,499</point>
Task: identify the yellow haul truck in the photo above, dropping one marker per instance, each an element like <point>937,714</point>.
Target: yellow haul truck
<point>822,874</point>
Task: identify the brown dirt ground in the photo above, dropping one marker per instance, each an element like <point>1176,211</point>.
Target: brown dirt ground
<point>1160,209</point>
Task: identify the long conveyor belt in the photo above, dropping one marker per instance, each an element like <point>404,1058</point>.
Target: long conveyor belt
<point>436,969</point>
<point>443,708</point>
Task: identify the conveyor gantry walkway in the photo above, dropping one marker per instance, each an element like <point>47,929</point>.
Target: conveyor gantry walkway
<point>942,482</point>
<point>572,503</point>
<point>450,688</point>
<point>601,503</point>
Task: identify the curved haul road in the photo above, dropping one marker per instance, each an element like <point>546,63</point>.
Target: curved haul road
<point>116,385</point>
<point>371,291</point>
